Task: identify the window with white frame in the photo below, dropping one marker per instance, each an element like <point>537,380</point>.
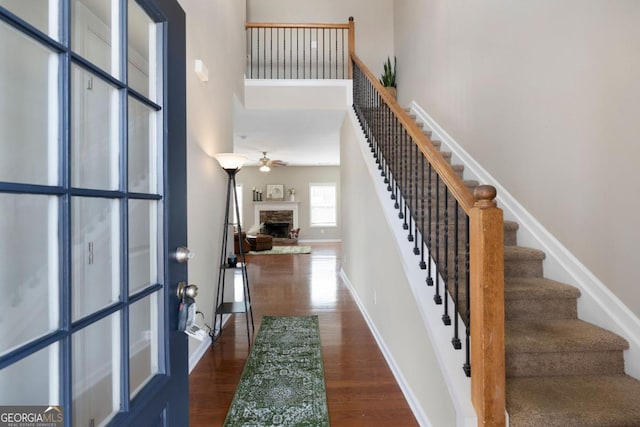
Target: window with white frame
<point>323,204</point>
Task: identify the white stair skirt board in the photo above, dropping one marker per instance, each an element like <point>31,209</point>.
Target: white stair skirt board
<point>450,360</point>
<point>597,304</point>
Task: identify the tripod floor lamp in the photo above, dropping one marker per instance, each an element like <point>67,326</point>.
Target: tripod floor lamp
<point>233,262</point>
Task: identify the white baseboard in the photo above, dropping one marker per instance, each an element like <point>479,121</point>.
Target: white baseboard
<point>397,373</point>
<point>597,304</point>
<point>195,357</point>
<point>320,241</point>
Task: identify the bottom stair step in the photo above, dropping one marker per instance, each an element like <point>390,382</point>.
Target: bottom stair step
<point>575,401</point>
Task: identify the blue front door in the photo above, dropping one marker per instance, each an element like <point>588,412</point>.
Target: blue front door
<point>92,207</point>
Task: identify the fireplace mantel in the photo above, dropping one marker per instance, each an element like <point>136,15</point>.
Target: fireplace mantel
<point>280,205</point>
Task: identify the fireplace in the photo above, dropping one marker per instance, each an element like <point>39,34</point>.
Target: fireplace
<point>281,217</point>
<point>277,229</point>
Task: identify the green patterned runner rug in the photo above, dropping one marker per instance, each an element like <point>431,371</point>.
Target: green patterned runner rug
<point>282,383</point>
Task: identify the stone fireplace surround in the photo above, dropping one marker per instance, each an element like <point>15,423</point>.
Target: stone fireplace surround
<point>276,212</point>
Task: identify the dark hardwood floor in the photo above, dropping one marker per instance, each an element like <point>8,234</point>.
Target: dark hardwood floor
<point>361,390</point>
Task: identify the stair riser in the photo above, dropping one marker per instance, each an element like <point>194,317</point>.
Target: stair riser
<point>564,363</point>
<point>541,309</point>
<point>510,236</point>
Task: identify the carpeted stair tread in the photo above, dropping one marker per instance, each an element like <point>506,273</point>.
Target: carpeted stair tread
<point>573,401</point>
<point>538,298</point>
<point>537,288</point>
<point>570,335</point>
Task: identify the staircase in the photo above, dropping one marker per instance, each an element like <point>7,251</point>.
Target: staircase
<point>561,371</point>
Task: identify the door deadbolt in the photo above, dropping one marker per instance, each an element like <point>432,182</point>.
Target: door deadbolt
<point>182,254</point>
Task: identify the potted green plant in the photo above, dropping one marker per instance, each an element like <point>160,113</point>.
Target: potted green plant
<point>388,77</point>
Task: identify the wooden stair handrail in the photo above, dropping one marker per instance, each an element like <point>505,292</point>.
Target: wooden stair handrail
<point>486,270</point>
<point>341,26</point>
<point>454,183</point>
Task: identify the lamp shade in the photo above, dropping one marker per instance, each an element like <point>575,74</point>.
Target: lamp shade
<point>264,168</point>
<point>231,161</point>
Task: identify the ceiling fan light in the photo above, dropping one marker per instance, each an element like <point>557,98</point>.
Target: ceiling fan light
<point>264,168</point>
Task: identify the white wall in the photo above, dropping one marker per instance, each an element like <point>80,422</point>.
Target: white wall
<point>372,263</point>
<point>215,34</point>
<point>373,20</point>
<point>297,177</point>
<point>545,96</point>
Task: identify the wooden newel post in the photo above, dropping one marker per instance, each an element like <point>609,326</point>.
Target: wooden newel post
<point>487,308</point>
<point>352,44</point>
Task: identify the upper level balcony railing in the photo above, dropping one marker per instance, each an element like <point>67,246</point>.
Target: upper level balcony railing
<point>299,51</point>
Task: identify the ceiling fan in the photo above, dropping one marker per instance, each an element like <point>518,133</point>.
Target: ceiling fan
<point>267,163</point>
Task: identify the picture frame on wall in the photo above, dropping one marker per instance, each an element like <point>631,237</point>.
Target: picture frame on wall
<point>275,191</point>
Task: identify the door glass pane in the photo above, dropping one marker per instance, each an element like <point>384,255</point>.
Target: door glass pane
<point>95,250</point>
<point>95,34</point>
<point>96,372</point>
<point>143,244</point>
<point>32,381</point>
<point>29,276</point>
<point>143,342</point>
<point>94,137</point>
<point>142,52</point>
<point>28,110</point>
<point>143,148</point>
<point>42,14</point>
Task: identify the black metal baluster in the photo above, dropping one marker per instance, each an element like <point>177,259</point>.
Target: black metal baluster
<point>437,297</point>
<point>445,274</point>
<point>304,52</point>
<point>250,65</point>
<point>423,264</point>
<point>337,75</point>
<point>403,182</point>
<point>342,56</point>
<point>385,148</point>
<point>416,196</point>
<point>467,365</point>
<point>410,195</point>
<point>291,53</point>
<point>430,222</point>
<point>317,58</point>
<point>258,51</point>
<point>384,122</point>
<point>271,53</point>
<point>389,161</point>
<point>456,279</point>
<point>396,164</point>
<point>329,53</point>
<point>371,101</point>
